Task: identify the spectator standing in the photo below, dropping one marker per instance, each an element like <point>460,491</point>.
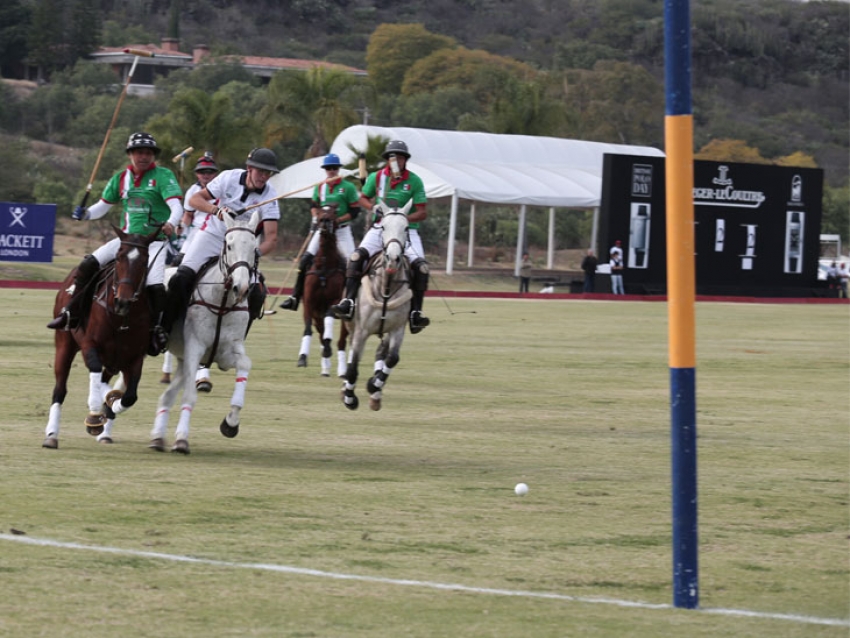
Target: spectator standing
<point>588,265</point>
<point>524,273</point>
<point>617,271</point>
<point>843,276</point>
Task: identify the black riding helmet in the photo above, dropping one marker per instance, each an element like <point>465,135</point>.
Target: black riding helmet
<point>142,140</point>
<point>396,147</point>
<point>206,163</point>
<point>264,159</point>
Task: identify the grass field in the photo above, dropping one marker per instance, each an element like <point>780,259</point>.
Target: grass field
<point>317,521</point>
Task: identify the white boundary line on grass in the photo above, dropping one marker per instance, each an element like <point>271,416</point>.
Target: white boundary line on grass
<point>302,571</point>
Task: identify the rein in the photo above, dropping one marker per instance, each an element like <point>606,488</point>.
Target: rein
<point>137,288</point>
<point>221,309</point>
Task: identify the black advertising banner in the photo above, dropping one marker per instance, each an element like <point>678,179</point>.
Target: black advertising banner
<point>757,226</point>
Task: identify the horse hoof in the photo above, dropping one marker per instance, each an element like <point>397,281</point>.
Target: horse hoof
<point>302,361</point>
<point>94,423</point>
<point>112,396</point>
<point>51,443</point>
<point>105,440</point>
<point>229,431</point>
<point>166,378</point>
<point>157,444</point>
<point>181,446</point>
<point>351,402</point>
<point>375,404</point>
<point>203,385</point>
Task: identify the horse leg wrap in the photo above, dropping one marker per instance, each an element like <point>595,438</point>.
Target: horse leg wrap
<point>238,398</point>
<point>305,345</point>
<point>378,381</point>
<point>97,390</point>
<point>328,332</point>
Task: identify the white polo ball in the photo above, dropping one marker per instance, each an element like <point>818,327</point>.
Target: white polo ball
<point>521,489</point>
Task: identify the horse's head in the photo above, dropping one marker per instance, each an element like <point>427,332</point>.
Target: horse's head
<point>239,254</point>
<point>326,219</point>
<point>394,232</point>
<point>131,269</point>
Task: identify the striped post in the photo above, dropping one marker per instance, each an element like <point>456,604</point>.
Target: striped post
<point>681,284</point>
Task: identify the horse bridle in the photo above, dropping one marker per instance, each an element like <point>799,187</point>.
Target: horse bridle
<point>137,290</point>
<point>228,269</point>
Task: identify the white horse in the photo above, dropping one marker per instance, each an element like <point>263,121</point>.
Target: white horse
<point>382,308</point>
<point>213,332</point>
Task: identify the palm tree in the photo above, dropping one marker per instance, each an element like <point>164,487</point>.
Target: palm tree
<point>318,102</point>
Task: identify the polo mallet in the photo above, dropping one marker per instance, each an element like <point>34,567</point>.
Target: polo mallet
<point>272,311</point>
<point>181,157</point>
<point>137,53</point>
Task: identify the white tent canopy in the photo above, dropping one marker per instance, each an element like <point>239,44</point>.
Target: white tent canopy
<point>481,167</point>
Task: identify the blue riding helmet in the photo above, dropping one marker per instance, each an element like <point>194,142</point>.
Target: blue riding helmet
<point>331,160</point>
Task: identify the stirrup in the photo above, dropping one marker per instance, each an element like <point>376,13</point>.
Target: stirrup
<point>344,309</point>
<point>62,322</point>
<point>290,304</point>
<point>159,341</point>
<point>418,322</point>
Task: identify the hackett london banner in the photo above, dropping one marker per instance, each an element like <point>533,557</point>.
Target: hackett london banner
<point>26,231</point>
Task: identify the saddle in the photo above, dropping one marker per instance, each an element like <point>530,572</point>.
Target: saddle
<point>399,291</point>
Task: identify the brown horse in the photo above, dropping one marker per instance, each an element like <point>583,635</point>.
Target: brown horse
<point>113,336</point>
<point>323,287</point>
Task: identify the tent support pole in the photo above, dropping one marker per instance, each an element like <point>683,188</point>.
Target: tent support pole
<point>520,239</point>
<point>450,252</point>
<point>595,232</point>
<point>470,257</point>
<point>550,249</point>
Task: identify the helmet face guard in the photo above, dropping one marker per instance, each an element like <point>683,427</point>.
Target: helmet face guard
<point>263,159</point>
<point>142,140</point>
<point>396,147</point>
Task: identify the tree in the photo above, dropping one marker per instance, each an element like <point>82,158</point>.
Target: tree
<point>617,102</point>
<point>730,151</point>
<point>84,29</point>
<point>14,26</point>
<point>478,71</point>
<point>45,37</point>
<point>394,48</point>
<point>209,122</point>
<point>314,102</point>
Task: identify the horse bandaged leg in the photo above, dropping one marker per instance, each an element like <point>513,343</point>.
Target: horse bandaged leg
<point>329,328</point>
<point>238,398</point>
<point>305,345</point>
<point>97,391</point>
<point>52,429</point>
<point>182,431</point>
<point>341,363</point>
<point>160,423</point>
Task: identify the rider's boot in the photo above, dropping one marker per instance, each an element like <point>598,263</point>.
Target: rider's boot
<point>353,273</point>
<point>156,300</point>
<point>69,318</point>
<point>418,321</point>
<point>303,267</point>
<point>177,299</point>
<point>256,301</point>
